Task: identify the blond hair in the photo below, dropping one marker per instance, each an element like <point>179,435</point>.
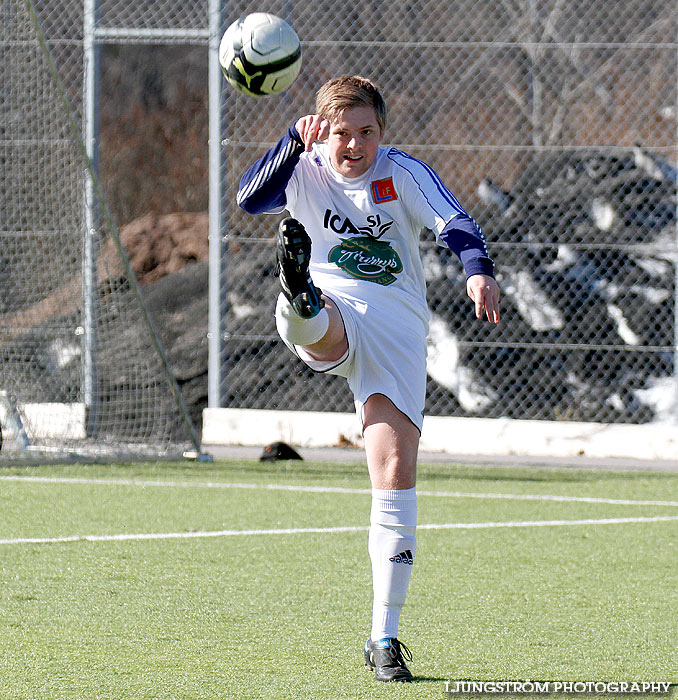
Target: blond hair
<point>339,94</point>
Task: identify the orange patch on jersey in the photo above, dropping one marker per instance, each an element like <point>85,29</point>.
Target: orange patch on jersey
<point>383,191</point>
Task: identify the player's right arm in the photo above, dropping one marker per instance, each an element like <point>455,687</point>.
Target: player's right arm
<point>312,128</point>
<point>262,187</point>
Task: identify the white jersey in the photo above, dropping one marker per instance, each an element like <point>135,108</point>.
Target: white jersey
<point>365,256</point>
<point>365,230</point>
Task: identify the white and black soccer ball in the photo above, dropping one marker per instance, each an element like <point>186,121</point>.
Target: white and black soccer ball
<point>260,54</point>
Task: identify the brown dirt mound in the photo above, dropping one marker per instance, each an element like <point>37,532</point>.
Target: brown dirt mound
<point>159,245</point>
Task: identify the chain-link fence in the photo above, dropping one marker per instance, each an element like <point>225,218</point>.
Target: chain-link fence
<point>554,123</point>
<point>82,369</point>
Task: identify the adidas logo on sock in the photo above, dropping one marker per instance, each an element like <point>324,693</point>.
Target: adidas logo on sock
<point>403,558</point>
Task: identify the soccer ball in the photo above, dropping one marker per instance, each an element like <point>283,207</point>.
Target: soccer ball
<point>260,54</point>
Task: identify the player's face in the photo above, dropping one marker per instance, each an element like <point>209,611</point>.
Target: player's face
<point>353,141</point>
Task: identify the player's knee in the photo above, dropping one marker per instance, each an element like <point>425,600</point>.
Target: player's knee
<point>297,330</point>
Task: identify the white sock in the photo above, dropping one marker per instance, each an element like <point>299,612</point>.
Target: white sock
<point>297,330</point>
<point>392,546</point>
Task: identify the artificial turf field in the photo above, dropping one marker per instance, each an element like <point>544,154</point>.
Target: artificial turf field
<point>240,579</point>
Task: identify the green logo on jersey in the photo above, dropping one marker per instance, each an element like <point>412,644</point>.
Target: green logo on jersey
<point>364,258</point>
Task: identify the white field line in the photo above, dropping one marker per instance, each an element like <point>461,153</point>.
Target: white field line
<point>328,530</point>
<point>332,489</point>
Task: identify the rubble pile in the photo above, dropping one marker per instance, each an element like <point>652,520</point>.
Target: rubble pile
<point>585,244</point>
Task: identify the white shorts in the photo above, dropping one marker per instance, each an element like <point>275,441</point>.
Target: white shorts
<point>385,355</point>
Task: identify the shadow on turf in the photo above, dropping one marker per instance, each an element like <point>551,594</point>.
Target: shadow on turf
<point>428,679</point>
<point>438,471</point>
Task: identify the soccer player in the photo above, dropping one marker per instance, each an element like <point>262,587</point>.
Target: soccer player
<point>353,303</point>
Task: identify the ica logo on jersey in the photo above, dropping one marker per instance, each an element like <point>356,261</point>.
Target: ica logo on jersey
<point>375,227</point>
<point>363,256</point>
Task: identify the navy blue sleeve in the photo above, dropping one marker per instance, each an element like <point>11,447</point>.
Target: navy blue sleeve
<point>463,236</point>
<point>262,187</point>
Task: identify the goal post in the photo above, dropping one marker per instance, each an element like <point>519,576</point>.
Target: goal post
<point>52,401</point>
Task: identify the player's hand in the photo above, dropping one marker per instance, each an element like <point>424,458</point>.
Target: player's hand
<point>312,128</point>
<point>484,291</point>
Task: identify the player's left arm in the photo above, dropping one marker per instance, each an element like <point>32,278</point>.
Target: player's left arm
<point>431,205</point>
<point>463,236</point>
<point>484,291</point>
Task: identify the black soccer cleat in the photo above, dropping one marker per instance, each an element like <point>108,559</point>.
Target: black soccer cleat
<point>293,250</point>
<point>387,658</point>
